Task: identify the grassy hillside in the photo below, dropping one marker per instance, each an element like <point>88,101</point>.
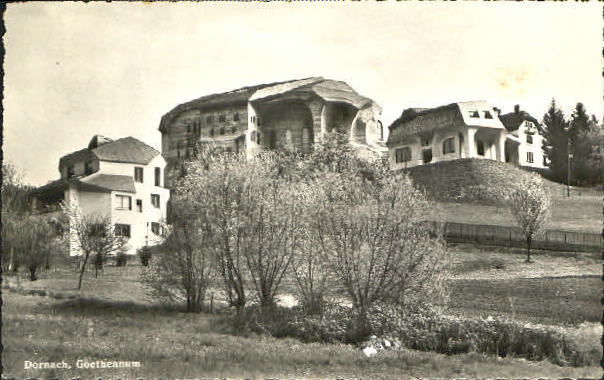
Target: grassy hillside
<point>464,180</point>
<point>472,191</point>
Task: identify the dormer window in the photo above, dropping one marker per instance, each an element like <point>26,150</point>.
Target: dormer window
<point>487,115</point>
<point>474,114</point>
<point>70,171</point>
<point>529,125</point>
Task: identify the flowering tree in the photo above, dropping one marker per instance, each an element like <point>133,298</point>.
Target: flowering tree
<point>375,240</point>
<point>252,215</point>
<point>530,206</point>
<point>92,235</point>
<point>184,270</point>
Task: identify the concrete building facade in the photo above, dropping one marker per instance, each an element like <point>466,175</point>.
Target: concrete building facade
<point>121,180</point>
<point>286,115</point>
<point>524,146</point>
<point>459,130</point>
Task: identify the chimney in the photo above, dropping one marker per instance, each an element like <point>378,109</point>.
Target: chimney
<point>98,140</point>
<point>517,109</point>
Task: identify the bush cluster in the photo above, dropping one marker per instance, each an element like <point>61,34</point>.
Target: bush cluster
<point>426,329</point>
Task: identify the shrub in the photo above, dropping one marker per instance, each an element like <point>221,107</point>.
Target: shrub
<point>335,325</point>
<point>145,255</point>
<point>426,329</point>
<point>121,259</point>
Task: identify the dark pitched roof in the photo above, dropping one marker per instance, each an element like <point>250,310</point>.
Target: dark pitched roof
<point>111,182</point>
<point>127,149</point>
<point>512,120</point>
<point>411,113</point>
<point>238,96</point>
<point>94,182</point>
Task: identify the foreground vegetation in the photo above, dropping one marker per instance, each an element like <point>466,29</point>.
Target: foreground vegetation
<point>112,318</point>
<point>173,345</point>
<point>341,237</point>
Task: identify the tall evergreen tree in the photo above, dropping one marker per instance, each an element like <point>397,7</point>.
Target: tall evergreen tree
<point>556,141</point>
<point>583,135</point>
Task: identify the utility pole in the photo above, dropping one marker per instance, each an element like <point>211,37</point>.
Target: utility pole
<point>569,154</point>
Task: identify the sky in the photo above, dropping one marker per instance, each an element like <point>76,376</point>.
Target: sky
<point>73,70</point>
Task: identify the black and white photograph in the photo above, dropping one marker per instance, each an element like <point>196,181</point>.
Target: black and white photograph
<point>302,190</point>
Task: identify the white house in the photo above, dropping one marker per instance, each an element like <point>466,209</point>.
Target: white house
<point>122,180</point>
<point>458,130</point>
<point>524,146</point>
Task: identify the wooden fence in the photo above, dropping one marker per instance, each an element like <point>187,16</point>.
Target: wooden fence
<point>513,237</point>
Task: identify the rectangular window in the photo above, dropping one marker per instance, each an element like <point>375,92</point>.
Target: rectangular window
<point>258,121</point>
<point>209,119</point>
<point>545,163</point>
<point>123,202</point>
<point>157,177</point>
<point>88,167</point>
<point>221,118</point>
<point>155,228</point>
<point>449,145</point>
<point>403,154</point>
<point>97,229</point>
<point>529,139</point>
<point>236,117</point>
<point>253,136</point>
<point>138,174</point>
<point>70,171</point>
<point>487,115</point>
<point>139,205</point>
<point>474,114</point>
<point>155,200</point>
<point>122,230</point>
<point>529,157</point>
<point>427,155</point>
<point>253,119</point>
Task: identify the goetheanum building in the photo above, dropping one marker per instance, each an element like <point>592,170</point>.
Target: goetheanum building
<point>292,115</point>
<point>459,130</point>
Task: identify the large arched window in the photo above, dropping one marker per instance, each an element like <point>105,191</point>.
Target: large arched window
<point>449,145</point>
<point>480,147</point>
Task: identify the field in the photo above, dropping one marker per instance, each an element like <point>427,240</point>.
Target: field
<point>112,320</point>
<point>468,191</point>
<point>577,213</point>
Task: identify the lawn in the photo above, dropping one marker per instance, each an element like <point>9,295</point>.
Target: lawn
<point>111,319</point>
<point>179,345</point>
<point>577,213</point>
<point>557,288</point>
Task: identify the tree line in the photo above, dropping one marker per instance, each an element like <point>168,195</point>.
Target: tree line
<point>583,134</point>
